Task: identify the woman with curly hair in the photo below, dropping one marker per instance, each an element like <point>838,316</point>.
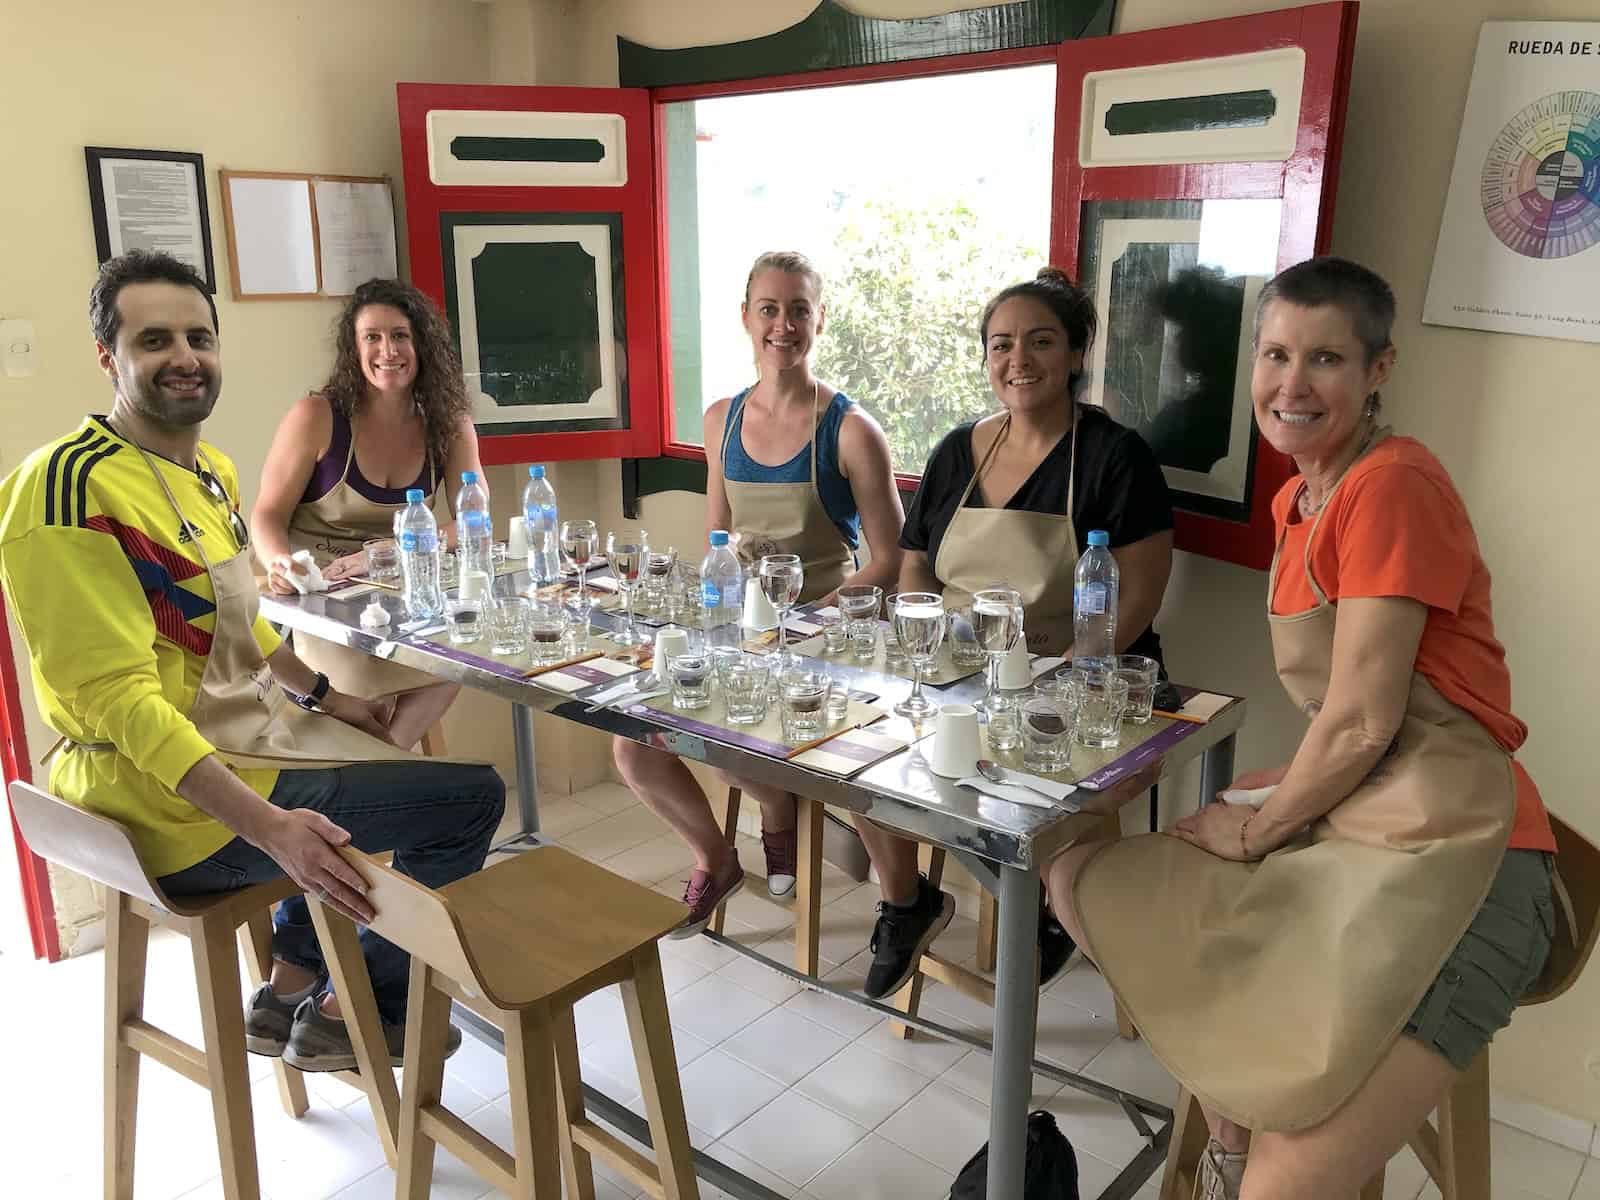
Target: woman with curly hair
<point>393,415</point>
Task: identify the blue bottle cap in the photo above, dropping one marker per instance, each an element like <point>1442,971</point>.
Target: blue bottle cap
<point>536,471</point>
<point>414,495</point>
<point>1099,537</point>
<point>719,537</point>
<point>469,477</point>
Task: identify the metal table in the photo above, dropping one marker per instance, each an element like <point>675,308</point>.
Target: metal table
<point>1004,846</point>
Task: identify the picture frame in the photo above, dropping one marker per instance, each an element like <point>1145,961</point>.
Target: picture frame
<point>150,200</point>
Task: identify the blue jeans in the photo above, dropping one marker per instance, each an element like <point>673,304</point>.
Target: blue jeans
<point>437,817</point>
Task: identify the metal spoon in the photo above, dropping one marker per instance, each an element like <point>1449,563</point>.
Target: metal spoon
<point>995,773</point>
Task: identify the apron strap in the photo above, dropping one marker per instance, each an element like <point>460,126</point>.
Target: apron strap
<point>1005,428</point>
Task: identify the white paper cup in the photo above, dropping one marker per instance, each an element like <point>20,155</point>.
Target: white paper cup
<point>758,611</point>
<point>955,741</point>
<point>1015,668</point>
<point>669,641</point>
<point>474,584</point>
<point>517,538</point>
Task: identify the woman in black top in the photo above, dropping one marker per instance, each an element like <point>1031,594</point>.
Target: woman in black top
<point>1011,499</point>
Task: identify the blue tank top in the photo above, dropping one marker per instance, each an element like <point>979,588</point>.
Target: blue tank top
<point>838,501</point>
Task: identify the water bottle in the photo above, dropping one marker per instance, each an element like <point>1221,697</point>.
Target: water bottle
<point>1094,606</point>
<point>418,536</point>
<point>474,529</point>
<point>721,592</point>
<point>544,523</point>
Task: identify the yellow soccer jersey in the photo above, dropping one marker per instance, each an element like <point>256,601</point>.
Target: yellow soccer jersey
<point>118,612</point>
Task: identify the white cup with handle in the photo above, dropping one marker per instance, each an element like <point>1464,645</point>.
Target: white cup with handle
<point>955,741</point>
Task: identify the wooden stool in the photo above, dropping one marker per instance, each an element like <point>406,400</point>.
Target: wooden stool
<point>519,943</point>
<point>101,849</point>
<point>807,876</point>
<point>1455,1151</point>
<point>433,741</point>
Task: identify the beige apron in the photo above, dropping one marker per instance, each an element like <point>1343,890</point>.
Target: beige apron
<point>332,526</point>
<point>1036,553</point>
<point>788,518</point>
<point>1272,989</point>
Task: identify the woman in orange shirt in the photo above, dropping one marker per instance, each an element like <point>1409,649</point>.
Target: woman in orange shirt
<point>1340,955</point>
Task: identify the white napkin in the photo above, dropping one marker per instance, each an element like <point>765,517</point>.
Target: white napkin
<point>1025,796</point>
<point>312,580</point>
<point>1254,797</point>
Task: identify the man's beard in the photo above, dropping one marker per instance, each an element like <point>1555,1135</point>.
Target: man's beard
<point>172,409</point>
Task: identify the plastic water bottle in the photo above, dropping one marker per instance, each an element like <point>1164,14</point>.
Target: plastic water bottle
<point>418,536</point>
<point>721,592</point>
<point>544,523</point>
<point>474,529</point>
<point>1094,606</point>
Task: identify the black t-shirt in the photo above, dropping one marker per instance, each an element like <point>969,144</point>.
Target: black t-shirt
<point>1120,488</point>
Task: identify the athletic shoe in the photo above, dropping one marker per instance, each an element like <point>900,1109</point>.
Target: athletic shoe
<point>267,1021</point>
<point>902,935</point>
<point>703,895</point>
<point>783,856</point>
<point>318,1042</point>
<point>1055,946</point>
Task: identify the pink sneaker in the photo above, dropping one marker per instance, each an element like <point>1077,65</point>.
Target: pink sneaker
<point>703,895</point>
<point>783,856</point>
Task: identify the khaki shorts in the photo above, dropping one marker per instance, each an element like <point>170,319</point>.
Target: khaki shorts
<point>1496,961</point>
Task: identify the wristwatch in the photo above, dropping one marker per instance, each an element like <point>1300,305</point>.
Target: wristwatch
<point>314,697</point>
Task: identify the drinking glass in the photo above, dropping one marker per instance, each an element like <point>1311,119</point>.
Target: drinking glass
<point>835,631</point>
<point>509,625</point>
<point>465,619</point>
<point>859,603</point>
<point>383,560</point>
<point>997,618</point>
<point>893,652</point>
<point>1004,728</point>
<point>574,629</point>
<point>744,691</point>
<point>803,701</point>
<point>658,570</point>
<point>1046,734</point>
<point>919,628</point>
<point>547,635</point>
<point>723,657</point>
<point>627,551</point>
<point>447,567</point>
<point>962,635</point>
<point>781,578</point>
<point>1142,675</point>
<point>1102,695</point>
<point>690,676</point>
<point>838,701</point>
<point>580,542</point>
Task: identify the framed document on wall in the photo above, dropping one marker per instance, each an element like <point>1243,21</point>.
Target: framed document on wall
<point>150,200</point>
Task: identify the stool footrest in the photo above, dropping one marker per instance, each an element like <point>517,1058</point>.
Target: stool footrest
<point>968,983</point>
<point>172,1052</point>
<point>639,1169</point>
<point>470,1146</point>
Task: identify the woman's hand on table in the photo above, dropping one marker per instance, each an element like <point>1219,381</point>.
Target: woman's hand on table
<point>1218,829</point>
<point>346,567</point>
<point>1259,778</point>
<point>278,571</point>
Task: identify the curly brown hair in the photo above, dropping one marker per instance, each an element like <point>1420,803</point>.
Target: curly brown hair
<point>439,392</point>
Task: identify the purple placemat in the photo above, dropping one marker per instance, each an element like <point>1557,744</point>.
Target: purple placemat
<point>495,666</point>
<point>1145,751</point>
<point>716,733</point>
<point>586,672</point>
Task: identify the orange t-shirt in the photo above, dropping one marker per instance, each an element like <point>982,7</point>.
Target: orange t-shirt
<point>1397,527</point>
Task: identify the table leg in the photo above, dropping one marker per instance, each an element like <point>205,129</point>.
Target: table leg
<point>1216,769</point>
<point>1016,1011</point>
<point>527,772</point>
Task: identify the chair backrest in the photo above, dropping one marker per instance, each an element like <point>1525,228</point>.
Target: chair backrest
<point>416,918</point>
<point>1578,861</point>
<point>83,841</point>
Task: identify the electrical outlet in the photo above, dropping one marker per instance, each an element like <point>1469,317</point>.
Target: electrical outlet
<point>17,351</point>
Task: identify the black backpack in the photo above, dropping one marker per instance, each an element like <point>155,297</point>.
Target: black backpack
<point>1051,1172</point>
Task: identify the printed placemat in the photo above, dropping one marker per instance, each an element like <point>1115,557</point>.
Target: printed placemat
<point>944,669</point>
<point>852,751</point>
<point>765,737</point>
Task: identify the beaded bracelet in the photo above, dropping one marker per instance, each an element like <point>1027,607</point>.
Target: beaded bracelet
<point>1244,848</point>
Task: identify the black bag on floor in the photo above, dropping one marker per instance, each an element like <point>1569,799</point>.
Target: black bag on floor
<point>1051,1172</point>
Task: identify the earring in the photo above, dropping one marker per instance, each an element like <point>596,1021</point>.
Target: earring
<point>1371,409</point>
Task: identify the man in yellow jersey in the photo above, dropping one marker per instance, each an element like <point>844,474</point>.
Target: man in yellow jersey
<point>122,553</point>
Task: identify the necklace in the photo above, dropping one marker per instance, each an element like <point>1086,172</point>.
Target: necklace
<point>1310,508</point>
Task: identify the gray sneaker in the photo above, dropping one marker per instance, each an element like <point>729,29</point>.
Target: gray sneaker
<point>318,1042</point>
<point>267,1020</point>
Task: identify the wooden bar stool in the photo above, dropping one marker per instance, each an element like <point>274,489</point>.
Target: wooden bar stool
<point>807,877</point>
<point>102,850</point>
<point>519,943</point>
<point>1454,1149</point>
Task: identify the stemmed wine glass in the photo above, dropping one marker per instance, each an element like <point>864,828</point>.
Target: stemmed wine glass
<point>997,620</point>
<point>919,624</point>
<point>580,540</point>
<point>627,551</point>
<point>781,578</point>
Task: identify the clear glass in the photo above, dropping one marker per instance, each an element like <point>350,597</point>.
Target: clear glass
<point>575,629</point>
<point>1102,695</point>
<point>838,701</point>
<point>547,635</point>
<point>447,568</point>
<point>1004,730</point>
<point>1046,735</point>
<point>803,700</point>
<point>658,569</point>
<point>781,578</point>
<point>497,554</point>
<point>465,620</point>
<point>1142,675</point>
<point>626,552</point>
<point>744,691</point>
<point>963,639</point>
<point>383,560</point>
<point>897,224</point>
<point>997,622</point>
<point>893,653</point>
<point>835,631</point>
<point>690,676</point>
<point>860,602</point>
<point>919,624</point>
<point>580,542</point>
<point>723,657</point>
<point>509,626</point>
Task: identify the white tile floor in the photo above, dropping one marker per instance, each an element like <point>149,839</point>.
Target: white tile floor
<point>807,1094</point>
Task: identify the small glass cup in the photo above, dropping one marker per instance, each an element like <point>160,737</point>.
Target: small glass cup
<point>723,657</point>
<point>1046,734</point>
<point>864,639</point>
<point>963,638</point>
<point>838,701</point>
<point>465,620</point>
<point>383,560</point>
<point>658,571</point>
<point>859,604</point>
<point>510,625</point>
<point>1004,729</point>
<point>803,701</point>
<point>497,554</point>
<point>547,635</point>
<point>1142,675</point>
<point>1102,695</point>
<point>575,629</point>
<point>744,691</point>
<point>835,631</point>
<point>690,675</point>
<point>447,568</point>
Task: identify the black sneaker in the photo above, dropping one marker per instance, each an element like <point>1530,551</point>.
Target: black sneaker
<point>1055,946</point>
<point>902,935</point>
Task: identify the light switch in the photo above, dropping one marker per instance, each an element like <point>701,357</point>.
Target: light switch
<point>18,351</point>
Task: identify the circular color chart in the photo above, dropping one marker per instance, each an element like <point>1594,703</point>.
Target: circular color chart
<point>1541,179</point>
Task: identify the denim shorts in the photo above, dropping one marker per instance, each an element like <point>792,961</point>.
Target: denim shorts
<point>1493,965</point>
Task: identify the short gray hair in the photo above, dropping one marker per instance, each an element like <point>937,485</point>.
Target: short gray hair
<point>1361,294</point>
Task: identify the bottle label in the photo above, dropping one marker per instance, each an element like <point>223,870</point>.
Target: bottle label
<point>710,594</point>
<point>408,540</point>
<point>1091,600</point>
<point>475,522</point>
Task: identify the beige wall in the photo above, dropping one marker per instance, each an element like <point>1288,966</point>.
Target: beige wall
<point>1513,418</point>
